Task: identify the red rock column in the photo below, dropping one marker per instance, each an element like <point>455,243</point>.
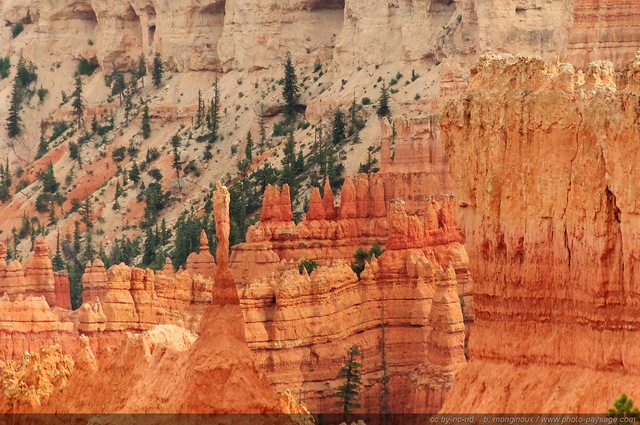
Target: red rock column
<point>224,291</point>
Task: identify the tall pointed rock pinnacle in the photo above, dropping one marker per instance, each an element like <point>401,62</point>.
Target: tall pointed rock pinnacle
<point>348,199</point>
<point>329,201</point>
<point>286,213</point>
<point>316,207</point>
<point>204,242</point>
<point>224,290</point>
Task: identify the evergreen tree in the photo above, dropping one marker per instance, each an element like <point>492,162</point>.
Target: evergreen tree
<point>248,150</point>
<point>142,68</point>
<point>348,392</point>
<point>289,163</point>
<point>77,105</point>
<point>128,106</point>
<point>134,173</point>
<point>213,117</point>
<point>146,125</point>
<point>86,213</point>
<point>337,129</point>
<point>89,252</point>
<point>623,408</point>
<point>263,128</point>
<point>52,214</point>
<point>74,153</point>
<point>57,262</point>
<point>177,164</point>
<point>158,70</point>
<point>14,126</point>
<point>383,102</point>
<point>290,90</point>
<point>200,113</point>
<point>49,182</point>
<point>119,85</point>
<point>150,247</point>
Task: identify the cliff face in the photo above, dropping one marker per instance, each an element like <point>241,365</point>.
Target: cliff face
<point>238,35</point>
<point>300,326</point>
<point>543,158</point>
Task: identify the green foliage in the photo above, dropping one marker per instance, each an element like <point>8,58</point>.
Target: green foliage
<point>361,257</point>
<point>187,231</point>
<point>383,102</point>
<point>158,70</point>
<point>338,128</point>
<point>49,182</point>
<point>155,201</point>
<point>146,125</point>
<point>134,173</point>
<point>290,90</point>
<point>26,74</point>
<point>309,265</point>
<point>119,84</point>
<point>368,166</point>
<point>16,29</point>
<point>86,67</point>
<point>59,128</point>
<point>213,114</point>
<point>5,194</point>
<point>348,392</point>
<point>366,101</point>
<point>119,154</point>
<point>154,253</point>
<point>623,408</point>
<point>5,67</point>
<point>77,105</point>
<point>42,93</point>
<point>14,126</point>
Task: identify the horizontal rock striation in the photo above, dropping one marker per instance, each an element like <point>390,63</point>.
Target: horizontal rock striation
<point>543,159</point>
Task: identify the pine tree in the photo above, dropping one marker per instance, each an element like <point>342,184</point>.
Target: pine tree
<point>142,68</point>
<point>337,131</point>
<point>134,173</point>
<point>383,102</point>
<point>289,163</point>
<point>248,150</point>
<point>14,126</point>
<point>146,125</point>
<point>348,394</point>
<point>128,106</point>
<point>52,214</point>
<point>49,182</point>
<point>177,164</point>
<point>263,128</point>
<point>623,408</point>
<point>57,262</point>
<point>86,213</point>
<point>200,113</point>
<point>290,90</point>
<point>158,70</point>
<point>119,85</point>
<point>89,251</point>
<point>213,117</point>
<point>77,105</point>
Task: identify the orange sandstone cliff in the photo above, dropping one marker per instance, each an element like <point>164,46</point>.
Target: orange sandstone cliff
<point>544,157</point>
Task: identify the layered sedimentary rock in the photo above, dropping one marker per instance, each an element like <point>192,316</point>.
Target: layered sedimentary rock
<point>235,35</point>
<point>301,325</point>
<point>34,277</point>
<point>543,159</point>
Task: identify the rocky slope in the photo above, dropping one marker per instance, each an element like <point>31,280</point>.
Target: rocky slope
<point>548,202</point>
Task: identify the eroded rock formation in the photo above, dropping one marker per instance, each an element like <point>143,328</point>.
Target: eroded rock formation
<point>543,158</point>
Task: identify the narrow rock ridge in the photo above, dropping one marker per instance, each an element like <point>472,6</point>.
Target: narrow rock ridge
<point>543,159</point>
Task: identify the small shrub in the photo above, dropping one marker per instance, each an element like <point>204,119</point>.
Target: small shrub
<point>16,29</point>
<point>366,101</point>
<point>59,127</point>
<point>310,265</point>
<point>155,173</point>
<point>42,93</point>
<point>317,67</point>
<point>5,67</point>
<point>86,67</point>
<point>118,154</point>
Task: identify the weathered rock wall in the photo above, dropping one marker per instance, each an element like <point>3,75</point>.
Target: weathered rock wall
<point>543,159</point>
<point>230,34</point>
